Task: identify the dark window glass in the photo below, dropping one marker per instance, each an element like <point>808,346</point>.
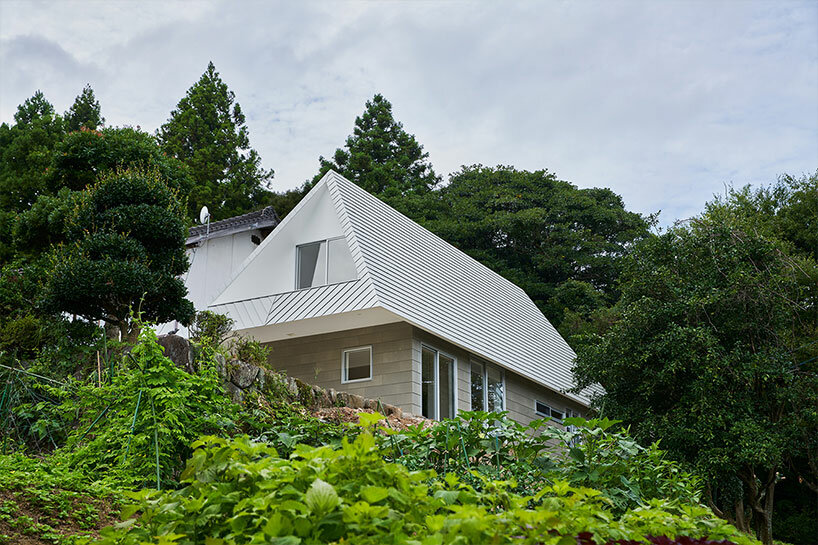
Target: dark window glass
<point>477,387</point>
<point>357,364</point>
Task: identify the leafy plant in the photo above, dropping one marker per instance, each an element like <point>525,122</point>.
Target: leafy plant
<point>588,453</point>
<point>239,491</point>
<point>212,326</point>
<point>249,350</point>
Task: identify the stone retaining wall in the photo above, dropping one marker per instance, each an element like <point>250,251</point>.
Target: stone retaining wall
<point>240,379</point>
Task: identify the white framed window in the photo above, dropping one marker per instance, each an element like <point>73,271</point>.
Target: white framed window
<point>488,387</point>
<point>323,262</point>
<point>546,410</point>
<point>356,364</point>
<point>438,384</point>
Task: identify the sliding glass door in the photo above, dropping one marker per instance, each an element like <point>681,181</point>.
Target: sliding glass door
<point>438,384</point>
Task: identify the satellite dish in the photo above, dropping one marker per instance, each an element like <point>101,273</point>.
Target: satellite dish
<point>204,215</point>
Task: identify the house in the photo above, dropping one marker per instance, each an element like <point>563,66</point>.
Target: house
<point>215,252</point>
<point>352,295</point>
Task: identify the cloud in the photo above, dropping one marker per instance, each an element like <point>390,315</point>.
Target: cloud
<point>663,102</point>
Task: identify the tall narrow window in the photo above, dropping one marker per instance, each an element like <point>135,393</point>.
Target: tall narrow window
<point>438,384</point>
<point>427,382</point>
<point>312,265</point>
<point>477,387</point>
<point>323,262</point>
<point>446,387</point>
<point>487,387</point>
<point>495,400</point>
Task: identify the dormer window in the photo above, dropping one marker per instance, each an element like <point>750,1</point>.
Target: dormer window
<point>323,262</point>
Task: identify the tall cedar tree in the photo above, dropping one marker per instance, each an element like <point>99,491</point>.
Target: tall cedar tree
<point>207,131</point>
<point>26,149</point>
<point>126,250</point>
<point>382,158</point>
<point>561,244</point>
<point>713,353</point>
<point>85,112</point>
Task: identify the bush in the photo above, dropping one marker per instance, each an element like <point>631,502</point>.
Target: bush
<point>211,327</point>
<point>586,454</point>
<point>243,492</point>
<point>147,416</point>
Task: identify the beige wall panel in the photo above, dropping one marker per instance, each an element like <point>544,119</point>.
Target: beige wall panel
<point>317,360</point>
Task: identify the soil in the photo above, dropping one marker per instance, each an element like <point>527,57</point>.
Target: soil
<point>63,525</point>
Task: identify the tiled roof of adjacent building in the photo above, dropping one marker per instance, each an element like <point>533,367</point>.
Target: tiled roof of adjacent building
<point>266,218</point>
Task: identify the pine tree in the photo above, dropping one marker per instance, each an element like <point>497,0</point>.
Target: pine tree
<point>207,131</point>
<point>382,158</point>
<point>33,108</point>
<point>85,112</point>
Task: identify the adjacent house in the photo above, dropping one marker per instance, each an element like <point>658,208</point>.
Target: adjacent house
<point>352,295</point>
<point>215,252</point>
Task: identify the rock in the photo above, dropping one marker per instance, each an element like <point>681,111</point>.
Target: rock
<point>391,410</point>
<point>356,401</point>
<point>178,350</point>
<point>333,395</point>
<point>243,374</point>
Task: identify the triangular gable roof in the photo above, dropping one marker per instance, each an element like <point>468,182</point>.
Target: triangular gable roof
<point>423,279</point>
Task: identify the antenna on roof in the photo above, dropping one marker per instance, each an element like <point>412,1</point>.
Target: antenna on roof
<point>204,217</point>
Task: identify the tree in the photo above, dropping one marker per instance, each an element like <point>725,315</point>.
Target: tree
<point>25,152</point>
<point>385,160</point>
<point>561,244</point>
<point>706,356</point>
<point>125,251</point>
<point>85,112</point>
<point>207,131</point>
<point>34,108</point>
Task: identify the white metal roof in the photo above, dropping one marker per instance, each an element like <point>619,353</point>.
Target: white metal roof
<point>418,276</point>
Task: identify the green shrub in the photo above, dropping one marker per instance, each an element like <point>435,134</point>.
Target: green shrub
<point>586,454</point>
<point>243,492</point>
<point>149,414</point>
<point>249,350</point>
<point>211,327</point>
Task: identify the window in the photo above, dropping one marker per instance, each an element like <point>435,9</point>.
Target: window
<point>438,384</point>
<point>323,262</point>
<point>356,364</point>
<point>545,410</point>
<point>487,387</point>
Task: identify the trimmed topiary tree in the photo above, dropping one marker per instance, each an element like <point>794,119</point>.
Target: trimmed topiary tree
<point>125,250</point>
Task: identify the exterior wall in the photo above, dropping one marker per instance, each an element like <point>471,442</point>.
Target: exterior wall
<point>396,369</point>
<point>213,263</point>
<point>272,270</point>
<point>521,394</point>
<point>316,360</point>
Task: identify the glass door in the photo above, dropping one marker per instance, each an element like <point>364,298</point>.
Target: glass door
<point>438,384</point>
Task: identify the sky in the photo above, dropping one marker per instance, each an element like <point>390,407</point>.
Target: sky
<point>666,103</point>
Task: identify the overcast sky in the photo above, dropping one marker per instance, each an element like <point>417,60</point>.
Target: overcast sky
<point>664,102</point>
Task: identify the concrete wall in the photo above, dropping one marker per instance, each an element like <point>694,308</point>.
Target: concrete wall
<point>521,394</point>
<point>317,360</point>
<point>396,369</point>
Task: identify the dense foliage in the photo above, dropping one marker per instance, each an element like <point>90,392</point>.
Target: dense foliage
<point>710,355</point>
<point>125,250</point>
<point>207,131</point>
<point>243,492</point>
<point>85,112</point>
<point>478,445</point>
<point>561,244</point>
<point>51,502</point>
